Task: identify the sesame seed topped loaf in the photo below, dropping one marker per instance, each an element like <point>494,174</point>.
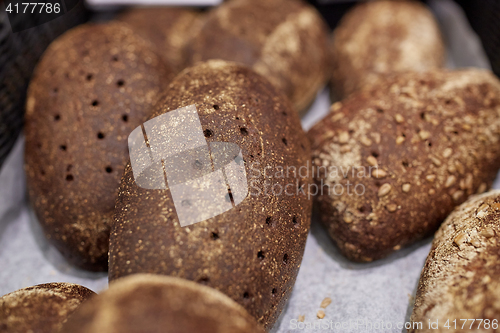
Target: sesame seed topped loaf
<point>284,40</point>
<point>461,277</point>
<point>380,37</point>
<point>92,87</point>
<point>160,304</point>
<point>416,146</point>
<point>42,308</point>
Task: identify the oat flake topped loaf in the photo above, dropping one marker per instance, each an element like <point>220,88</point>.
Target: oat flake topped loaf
<point>431,140</point>
<point>381,37</point>
<point>461,277</point>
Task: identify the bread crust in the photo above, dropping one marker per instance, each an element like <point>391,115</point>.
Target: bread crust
<point>380,37</point>
<point>43,308</point>
<point>284,40</point>
<point>461,276</point>
<point>91,88</point>
<point>252,252</point>
<point>424,142</point>
<point>168,28</point>
<point>160,304</point>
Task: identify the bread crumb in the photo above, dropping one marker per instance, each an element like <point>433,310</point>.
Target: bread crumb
<point>327,301</point>
<point>321,314</point>
<point>302,318</point>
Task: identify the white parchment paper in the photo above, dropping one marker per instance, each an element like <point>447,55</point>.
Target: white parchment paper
<point>374,297</point>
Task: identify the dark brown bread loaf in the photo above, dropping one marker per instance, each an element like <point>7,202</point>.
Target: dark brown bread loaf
<point>284,40</point>
<point>252,252</point>
<point>42,308</point>
<point>380,37</point>
<point>416,146</point>
<point>461,277</point>
<point>160,304</point>
<point>168,29</point>
<point>92,86</point>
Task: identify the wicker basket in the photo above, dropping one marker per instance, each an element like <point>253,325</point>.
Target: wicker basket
<point>19,53</point>
<point>484,17</point>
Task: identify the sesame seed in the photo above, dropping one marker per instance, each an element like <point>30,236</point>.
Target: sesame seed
<point>391,207</point>
<point>384,190</point>
<point>487,232</point>
<point>450,181</point>
<point>447,152</point>
<point>460,239</point>
<point>424,135</point>
<point>365,141</point>
<point>379,173</point>
<point>457,195</point>
<point>343,137</point>
<point>372,160</point>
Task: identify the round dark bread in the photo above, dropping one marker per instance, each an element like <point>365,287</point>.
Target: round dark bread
<point>167,28</point>
<point>434,137</point>
<point>42,308</point>
<point>380,37</point>
<point>284,40</point>
<point>92,86</point>
<point>461,276</point>
<point>252,253</point>
<point>160,304</point>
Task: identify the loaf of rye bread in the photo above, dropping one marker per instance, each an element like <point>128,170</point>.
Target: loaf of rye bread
<point>160,304</point>
<point>415,146</point>
<point>461,277</point>
<point>42,308</point>
<point>284,40</point>
<point>92,87</point>
<point>167,28</point>
<point>380,37</point>
<point>252,252</point>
